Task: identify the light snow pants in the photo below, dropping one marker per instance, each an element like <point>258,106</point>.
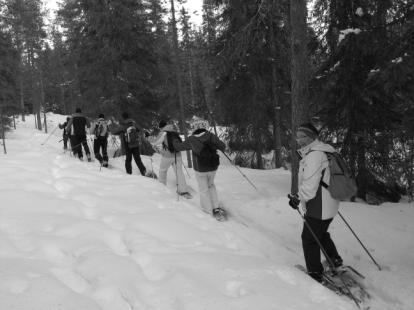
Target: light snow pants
<point>207,189</point>
<point>166,163</point>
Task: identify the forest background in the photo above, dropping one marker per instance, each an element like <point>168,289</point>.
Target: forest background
<point>256,68</point>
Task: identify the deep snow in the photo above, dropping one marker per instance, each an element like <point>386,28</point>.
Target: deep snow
<point>75,237</point>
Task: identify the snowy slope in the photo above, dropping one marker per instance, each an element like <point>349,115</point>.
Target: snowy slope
<point>75,237</point>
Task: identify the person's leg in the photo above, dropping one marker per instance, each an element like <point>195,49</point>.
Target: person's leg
<point>311,249</point>
<point>329,245</point>
<point>165,164</point>
<point>138,161</point>
<point>65,142</point>
<point>105,150</point>
<point>212,189</point>
<point>128,160</point>
<point>72,145</point>
<point>96,147</point>
<point>78,148</point>
<point>205,200</point>
<point>85,145</point>
<point>182,185</point>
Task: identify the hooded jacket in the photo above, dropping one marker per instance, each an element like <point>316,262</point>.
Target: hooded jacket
<point>196,144</point>
<point>162,138</point>
<point>316,200</point>
<point>122,128</point>
<point>98,123</point>
<point>78,121</point>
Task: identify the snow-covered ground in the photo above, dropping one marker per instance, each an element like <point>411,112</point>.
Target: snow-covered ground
<point>75,237</point>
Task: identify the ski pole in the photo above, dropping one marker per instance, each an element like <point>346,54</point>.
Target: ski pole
<point>152,168</point>
<point>186,170</point>
<point>176,174</point>
<point>359,240</point>
<point>72,148</point>
<point>239,170</point>
<point>327,257</point>
<point>50,136</point>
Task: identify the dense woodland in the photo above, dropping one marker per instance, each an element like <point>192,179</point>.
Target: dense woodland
<point>257,68</point>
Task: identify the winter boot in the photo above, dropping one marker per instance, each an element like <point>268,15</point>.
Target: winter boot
<point>186,195</point>
<point>89,157</point>
<point>316,275</point>
<point>105,164</point>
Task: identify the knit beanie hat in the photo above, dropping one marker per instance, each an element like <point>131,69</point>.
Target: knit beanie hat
<point>162,124</point>
<point>309,130</point>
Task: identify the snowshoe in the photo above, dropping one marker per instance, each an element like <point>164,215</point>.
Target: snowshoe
<point>151,175</point>
<point>186,195</point>
<point>325,282</point>
<point>220,214</point>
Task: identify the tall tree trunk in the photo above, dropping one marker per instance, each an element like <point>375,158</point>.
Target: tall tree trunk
<point>21,95</point>
<point>2,129</point>
<point>275,97</point>
<point>299,73</point>
<point>362,170</point>
<point>62,97</point>
<point>43,100</point>
<point>178,74</point>
<point>36,109</point>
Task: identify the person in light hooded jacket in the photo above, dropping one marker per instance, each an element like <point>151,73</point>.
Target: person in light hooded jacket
<point>168,158</point>
<point>315,200</point>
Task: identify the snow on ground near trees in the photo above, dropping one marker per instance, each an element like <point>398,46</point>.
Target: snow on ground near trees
<point>75,237</point>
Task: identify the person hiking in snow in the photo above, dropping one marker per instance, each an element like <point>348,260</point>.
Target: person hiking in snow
<point>169,158</point>
<point>78,122</point>
<point>100,131</point>
<point>128,131</point>
<point>204,175</point>
<point>65,134</point>
<point>316,201</point>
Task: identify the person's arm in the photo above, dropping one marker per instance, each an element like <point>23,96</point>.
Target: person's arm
<point>88,123</point>
<point>312,175</point>
<point>183,146</point>
<point>62,126</point>
<point>92,129</point>
<point>138,128</point>
<point>69,125</point>
<point>220,144</point>
<point>116,129</point>
<point>158,139</point>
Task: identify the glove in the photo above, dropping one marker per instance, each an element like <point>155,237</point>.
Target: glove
<point>109,122</point>
<point>294,201</point>
<point>147,134</point>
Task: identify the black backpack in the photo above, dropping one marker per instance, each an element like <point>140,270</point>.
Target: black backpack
<point>171,136</point>
<point>131,134</point>
<point>208,156</point>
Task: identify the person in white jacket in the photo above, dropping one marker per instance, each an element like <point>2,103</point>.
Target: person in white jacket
<point>168,159</point>
<point>315,200</point>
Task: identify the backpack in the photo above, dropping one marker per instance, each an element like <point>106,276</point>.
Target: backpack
<point>171,136</point>
<point>342,183</point>
<point>101,131</point>
<point>131,134</point>
<point>208,156</point>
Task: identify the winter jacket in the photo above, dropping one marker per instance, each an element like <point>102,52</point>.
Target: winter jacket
<point>78,122</point>
<point>63,126</point>
<point>121,130</point>
<point>316,200</point>
<point>105,125</point>
<point>195,143</point>
<point>162,138</point>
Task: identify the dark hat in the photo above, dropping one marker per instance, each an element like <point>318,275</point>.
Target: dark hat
<point>162,124</point>
<point>309,129</point>
<point>68,118</point>
<point>78,110</point>
<point>125,115</point>
<point>101,115</point>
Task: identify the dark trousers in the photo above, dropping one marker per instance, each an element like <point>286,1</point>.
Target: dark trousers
<point>137,157</point>
<point>98,145</point>
<point>311,248</point>
<point>72,144</point>
<point>65,141</point>
<point>81,141</point>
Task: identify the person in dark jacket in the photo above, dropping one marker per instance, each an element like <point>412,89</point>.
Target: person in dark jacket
<point>100,131</point>
<point>131,148</point>
<point>65,134</point>
<point>204,175</point>
<point>77,125</point>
